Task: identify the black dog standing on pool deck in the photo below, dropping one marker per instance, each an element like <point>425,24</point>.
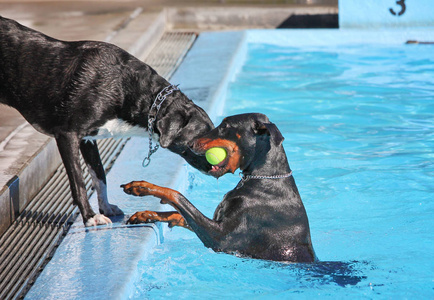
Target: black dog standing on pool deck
<point>263,217</point>
<point>85,90</point>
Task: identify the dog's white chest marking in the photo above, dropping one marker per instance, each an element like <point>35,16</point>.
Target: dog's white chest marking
<point>118,128</point>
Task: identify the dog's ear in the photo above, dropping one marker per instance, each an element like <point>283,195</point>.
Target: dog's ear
<point>271,130</point>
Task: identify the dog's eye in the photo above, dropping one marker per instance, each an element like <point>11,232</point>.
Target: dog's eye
<point>224,126</point>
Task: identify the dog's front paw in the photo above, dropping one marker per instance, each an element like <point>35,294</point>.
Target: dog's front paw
<point>138,188</point>
<point>143,217</point>
<point>97,219</point>
<point>110,210</point>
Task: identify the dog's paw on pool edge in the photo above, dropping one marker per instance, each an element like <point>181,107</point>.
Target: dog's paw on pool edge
<point>98,219</point>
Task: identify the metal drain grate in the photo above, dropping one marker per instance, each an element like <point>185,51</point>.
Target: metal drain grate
<point>31,240</point>
<point>170,51</point>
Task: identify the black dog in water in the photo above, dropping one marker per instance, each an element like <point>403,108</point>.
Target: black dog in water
<point>85,90</point>
<point>263,217</point>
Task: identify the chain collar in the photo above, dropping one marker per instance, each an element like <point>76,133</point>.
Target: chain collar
<point>244,178</point>
<point>152,116</point>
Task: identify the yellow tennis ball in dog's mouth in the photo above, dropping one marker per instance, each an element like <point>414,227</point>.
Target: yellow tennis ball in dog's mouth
<point>215,155</point>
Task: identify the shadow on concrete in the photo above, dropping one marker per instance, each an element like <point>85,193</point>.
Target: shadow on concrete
<point>311,21</point>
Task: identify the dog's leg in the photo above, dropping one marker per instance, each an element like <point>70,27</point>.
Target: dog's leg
<point>89,150</point>
<point>68,145</point>
<point>144,188</point>
<point>209,231</point>
<point>172,217</point>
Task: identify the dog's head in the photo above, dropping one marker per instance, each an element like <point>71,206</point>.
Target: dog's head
<point>247,138</point>
<point>179,128</point>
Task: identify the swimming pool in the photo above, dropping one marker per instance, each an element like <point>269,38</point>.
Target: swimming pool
<point>359,134</point>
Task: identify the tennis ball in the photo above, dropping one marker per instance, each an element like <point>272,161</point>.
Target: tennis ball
<point>215,155</point>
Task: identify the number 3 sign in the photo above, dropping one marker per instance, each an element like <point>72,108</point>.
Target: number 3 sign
<point>400,3</point>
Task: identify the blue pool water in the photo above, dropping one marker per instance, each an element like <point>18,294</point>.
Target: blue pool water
<point>359,135</point>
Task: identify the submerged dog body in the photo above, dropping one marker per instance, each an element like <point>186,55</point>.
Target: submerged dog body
<point>86,89</point>
<point>263,217</point>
